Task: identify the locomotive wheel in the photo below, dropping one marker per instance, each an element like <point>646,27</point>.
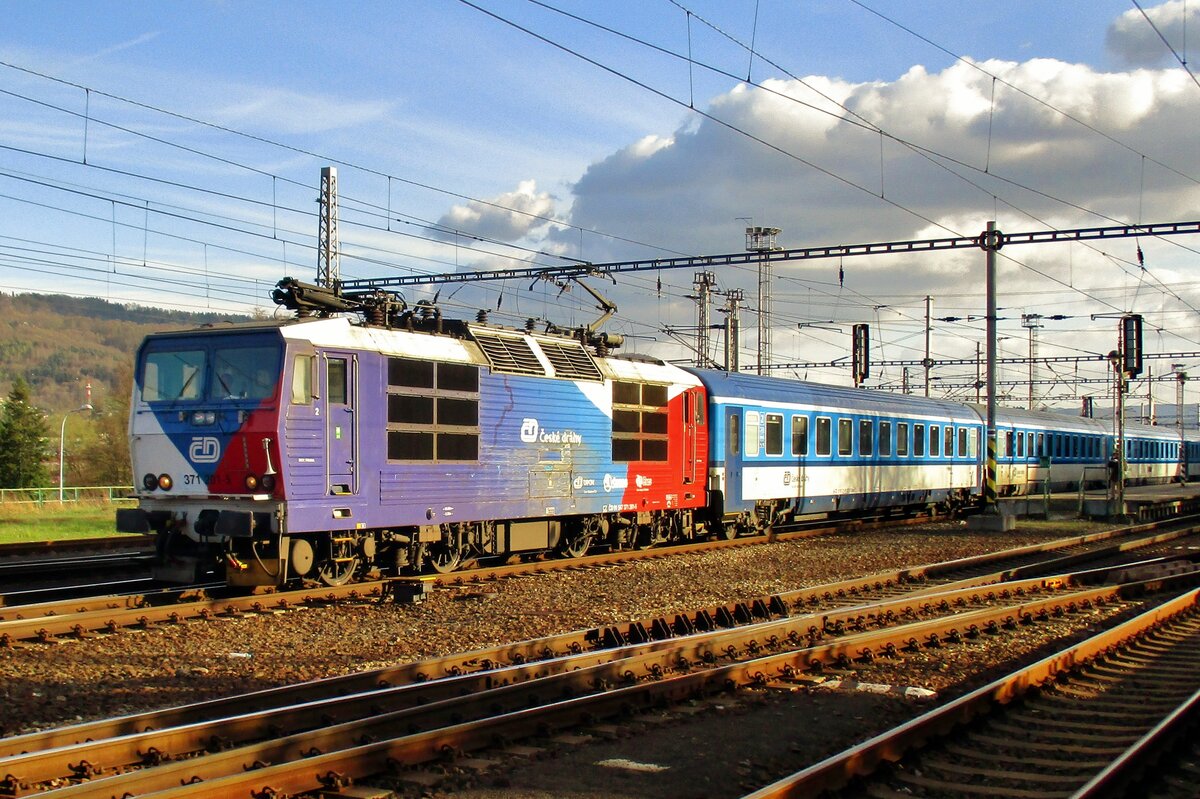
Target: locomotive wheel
<point>339,569</point>
<point>444,559</point>
<point>335,572</point>
<point>575,545</point>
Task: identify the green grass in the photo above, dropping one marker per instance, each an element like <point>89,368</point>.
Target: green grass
<point>52,521</point>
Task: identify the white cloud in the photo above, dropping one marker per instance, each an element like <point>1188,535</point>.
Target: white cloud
<point>508,217</point>
<point>690,190</point>
<point>1132,39</point>
<point>291,112</point>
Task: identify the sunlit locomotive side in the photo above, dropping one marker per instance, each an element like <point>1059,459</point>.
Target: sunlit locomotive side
<point>320,449</point>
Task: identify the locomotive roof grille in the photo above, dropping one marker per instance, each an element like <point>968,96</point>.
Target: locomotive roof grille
<point>510,354</point>
<point>514,354</point>
<point>570,359</point>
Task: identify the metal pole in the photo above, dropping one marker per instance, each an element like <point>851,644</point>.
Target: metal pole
<point>989,494</point>
<point>927,362</point>
<point>62,433</point>
<point>62,443</point>
<point>1181,378</point>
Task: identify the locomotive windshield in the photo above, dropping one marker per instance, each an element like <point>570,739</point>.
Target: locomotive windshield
<point>228,372</point>
<point>174,375</point>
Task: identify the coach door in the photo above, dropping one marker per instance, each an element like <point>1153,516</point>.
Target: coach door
<point>691,418</point>
<point>340,382</point>
<point>734,447</point>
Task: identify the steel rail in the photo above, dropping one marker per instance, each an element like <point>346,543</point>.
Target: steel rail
<point>837,771</point>
<point>36,623</point>
<point>36,567</point>
<point>521,709</point>
<point>1144,755</point>
<point>24,549</point>
<point>38,765</point>
<point>728,615</point>
<point>476,695</point>
<point>110,620</point>
<point>11,606</point>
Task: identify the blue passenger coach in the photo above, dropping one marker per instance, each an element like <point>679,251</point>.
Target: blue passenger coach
<point>786,448</point>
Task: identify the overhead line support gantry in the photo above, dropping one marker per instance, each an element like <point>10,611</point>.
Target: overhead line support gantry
<point>808,253</point>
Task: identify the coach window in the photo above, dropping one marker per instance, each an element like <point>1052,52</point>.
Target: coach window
<point>302,369</point>
<point>1008,445</point>
<point>866,437</point>
<point>774,434</point>
<point>1020,445</point>
<point>902,439</point>
<point>752,428</point>
<point>918,440</point>
<point>1041,445</point>
<point>948,448</point>
<point>934,440</point>
<point>973,443</point>
<point>845,437</point>
<point>885,438</point>
<point>962,442</point>
<point>799,435</point>
<point>824,435</point>
<point>734,433</point>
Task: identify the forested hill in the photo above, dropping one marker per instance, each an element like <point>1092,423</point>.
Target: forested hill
<point>59,344</point>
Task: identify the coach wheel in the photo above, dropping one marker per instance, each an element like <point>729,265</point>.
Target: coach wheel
<point>729,530</point>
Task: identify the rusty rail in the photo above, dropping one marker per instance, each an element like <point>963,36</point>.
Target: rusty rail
<point>681,668</point>
<point>839,770</point>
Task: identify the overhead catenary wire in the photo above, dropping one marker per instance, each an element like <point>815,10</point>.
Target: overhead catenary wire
<point>388,216</point>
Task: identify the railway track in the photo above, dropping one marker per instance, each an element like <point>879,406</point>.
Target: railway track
<point>1090,721</point>
<point>74,546</point>
<point>465,702</point>
<point>37,561</point>
<point>109,614</point>
<point>54,560</point>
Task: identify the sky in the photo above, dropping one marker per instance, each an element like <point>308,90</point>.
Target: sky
<point>169,154</point>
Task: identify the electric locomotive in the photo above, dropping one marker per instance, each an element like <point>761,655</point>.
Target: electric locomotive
<point>321,449</point>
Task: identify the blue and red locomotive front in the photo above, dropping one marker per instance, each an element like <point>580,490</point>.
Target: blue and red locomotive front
<point>323,449</point>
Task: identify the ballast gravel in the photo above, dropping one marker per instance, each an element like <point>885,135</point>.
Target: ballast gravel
<point>105,675</point>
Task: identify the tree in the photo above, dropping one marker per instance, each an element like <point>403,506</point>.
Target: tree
<point>105,460</point>
<point>24,441</point>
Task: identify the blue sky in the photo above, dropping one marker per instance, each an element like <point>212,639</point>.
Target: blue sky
<point>429,107</point>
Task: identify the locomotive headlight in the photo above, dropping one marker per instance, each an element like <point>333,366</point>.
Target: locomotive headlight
<point>165,482</point>
<point>251,482</point>
<point>268,482</point>
<point>204,418</point>
<point>150,482</point>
